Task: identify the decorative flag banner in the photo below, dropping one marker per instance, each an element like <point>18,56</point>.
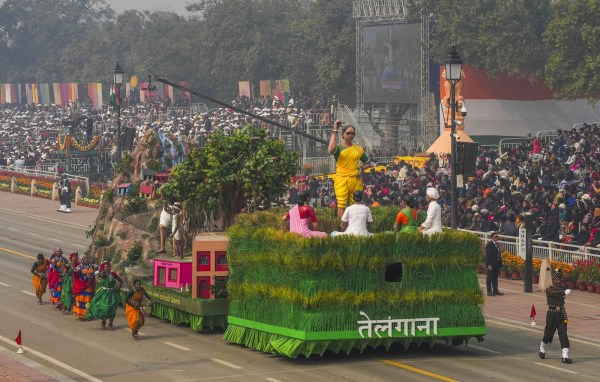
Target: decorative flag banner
<point>35,94</point>
<point>160,90</point>
<point>58,93</point>
<point>14,94</point>
<point>73,91</point>
<point>146,94</point>
<point>115,97</point>
<point>6,95</point>
<point>186,84</point>
<point>244,88</point>
<point>95,95</point>
<point>44,91</point>
<point>281,91</point>
<point>265,88</point>
<point>128,91</point>
<point>143,91</point>
<point>168,92</point>
<point>63,88</point>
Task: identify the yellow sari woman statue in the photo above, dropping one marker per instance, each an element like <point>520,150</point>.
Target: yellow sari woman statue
<point>347,155</point>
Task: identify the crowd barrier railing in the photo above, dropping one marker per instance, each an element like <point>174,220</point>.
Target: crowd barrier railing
<point>543,249</point>
<point>508,143</point>
<point>31,171</point>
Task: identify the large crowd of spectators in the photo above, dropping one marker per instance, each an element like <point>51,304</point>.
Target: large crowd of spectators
<point>28,133</point>
<point>556,181</point>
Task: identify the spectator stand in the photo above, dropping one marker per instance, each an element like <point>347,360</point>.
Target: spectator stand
<point>506,144</point>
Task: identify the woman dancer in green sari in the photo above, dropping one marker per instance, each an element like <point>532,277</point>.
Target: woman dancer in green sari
<point>105,301</point>
<point>66,293</point>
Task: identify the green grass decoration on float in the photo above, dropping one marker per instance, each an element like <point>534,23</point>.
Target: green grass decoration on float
<point>294,296</point>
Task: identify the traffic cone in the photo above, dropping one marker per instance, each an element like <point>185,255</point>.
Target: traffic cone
<point>20,343</point>
<point>532,315</point>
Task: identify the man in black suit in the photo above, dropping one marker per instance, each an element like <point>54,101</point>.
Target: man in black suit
<point>493,261</point>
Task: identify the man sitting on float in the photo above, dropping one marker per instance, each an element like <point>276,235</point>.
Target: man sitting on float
<point>357,219</point>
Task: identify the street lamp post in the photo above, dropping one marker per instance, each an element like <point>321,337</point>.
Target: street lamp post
<point>118,80</point>
<point>453,75</point>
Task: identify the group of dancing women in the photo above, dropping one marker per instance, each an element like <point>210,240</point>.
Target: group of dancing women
<point>81,287</point>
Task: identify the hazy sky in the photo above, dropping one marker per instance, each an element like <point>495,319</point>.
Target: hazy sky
<point>177,6</point>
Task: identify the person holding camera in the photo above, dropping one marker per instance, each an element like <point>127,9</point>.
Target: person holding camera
<point>348,172</point>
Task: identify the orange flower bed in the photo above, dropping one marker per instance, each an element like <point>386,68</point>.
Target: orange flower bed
<point>45,184</point>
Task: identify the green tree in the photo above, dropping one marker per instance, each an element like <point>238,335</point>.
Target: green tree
<point>573,39</point>
<point>36,31</point>
<point>231,169</point>
<point>498,36</point>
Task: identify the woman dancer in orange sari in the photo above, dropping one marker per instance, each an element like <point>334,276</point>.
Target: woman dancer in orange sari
<point>133,308</point>
<point>347,171</point>
<point>40,281</point>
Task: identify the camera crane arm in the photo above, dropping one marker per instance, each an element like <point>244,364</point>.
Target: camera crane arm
<point>293,131</point>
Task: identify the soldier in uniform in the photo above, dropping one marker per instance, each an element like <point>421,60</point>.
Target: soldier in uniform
<point>64,192</point>
<point>556,318</point>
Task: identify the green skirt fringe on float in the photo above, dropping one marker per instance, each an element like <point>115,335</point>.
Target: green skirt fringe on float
<point>294,296</point>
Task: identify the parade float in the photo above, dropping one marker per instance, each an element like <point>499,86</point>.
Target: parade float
<point>272,290</point>
<point>350,292</point>
<point>337,295</point>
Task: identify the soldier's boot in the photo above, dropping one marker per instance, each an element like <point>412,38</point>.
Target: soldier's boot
<point>542,352</point>
<point>565,356</point>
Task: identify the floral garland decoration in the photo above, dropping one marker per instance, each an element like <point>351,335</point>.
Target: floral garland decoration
<point>87,147</point>
<point>65,144</point>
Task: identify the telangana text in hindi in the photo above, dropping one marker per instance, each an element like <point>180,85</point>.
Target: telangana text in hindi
<point>406,326</point>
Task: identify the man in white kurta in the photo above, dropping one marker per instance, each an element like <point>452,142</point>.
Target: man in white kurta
<point>433,222</point>
<point>357,218</point>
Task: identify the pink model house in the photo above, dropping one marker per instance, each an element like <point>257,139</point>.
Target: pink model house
<point>172,273</point>
<point>209,256</point>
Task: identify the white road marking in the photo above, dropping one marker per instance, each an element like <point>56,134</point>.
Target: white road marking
<point>177,346</point>
<point>556,368</point>
<point>3,284</point>
<point>484,349</point>
<point>32,234</point>
<point>12,229</point>
<point>56,240</point>
<point>29,293</point>
<point>272,380</point>
<point>54,361</point>
<point>541,330</point>
<point>225,363</point>
<point>79,245</point>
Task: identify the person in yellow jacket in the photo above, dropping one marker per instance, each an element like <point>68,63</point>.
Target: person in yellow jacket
<point>347,155</point>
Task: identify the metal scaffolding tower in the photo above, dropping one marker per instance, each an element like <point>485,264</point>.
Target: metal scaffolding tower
<point>407,125</point>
